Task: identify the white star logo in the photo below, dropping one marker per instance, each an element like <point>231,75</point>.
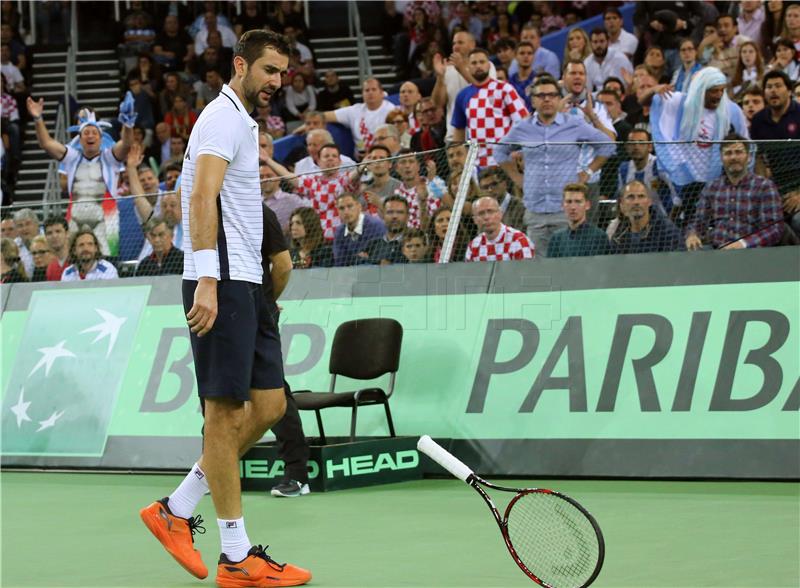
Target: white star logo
<point>49,355</point>
<point>20,409</point>
<point>108,328</point>
<point>46,424</point>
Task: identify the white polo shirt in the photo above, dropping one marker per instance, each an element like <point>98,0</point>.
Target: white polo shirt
<point>363,122</point>
<point>224,129</point>
<point>103,270</point>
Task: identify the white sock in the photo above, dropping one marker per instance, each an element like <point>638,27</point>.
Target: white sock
<point>235,543</point>
<point>187,496</point>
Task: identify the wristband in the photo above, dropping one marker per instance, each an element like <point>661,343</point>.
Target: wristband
<point>205,263</point>
<point>37,118</point>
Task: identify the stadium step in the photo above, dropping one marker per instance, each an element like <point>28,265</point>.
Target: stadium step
<point>341,55</point>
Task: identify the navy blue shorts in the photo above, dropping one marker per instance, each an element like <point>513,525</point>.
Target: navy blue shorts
<point>243,349</point>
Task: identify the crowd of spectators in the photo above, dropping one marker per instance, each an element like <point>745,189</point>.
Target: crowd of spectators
<point>622,135</point>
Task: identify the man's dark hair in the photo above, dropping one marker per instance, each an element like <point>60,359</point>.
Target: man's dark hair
<point>599,31</point>
<point>526,44</point>
<point>726,15</point>
<point>777,73</point>
<point>543,81</point>
<point>405,151</point>
<point>610,92</point>
<point>174,166</point>
<point>155,221</point>
<point>732,138</point>
<point>612,10</point>
<point>331,146</point>
<point>753,91</point>
<point>575,62</point>
<point>215,70</point>
<point>614,80</point>
<point>493,171</point>
<point>72,257</point>
<point>395,198</point>
<point>347,195</point>
<point>383,148</point>
<point>640,130</point>
<point>251,44</point>
<point>56,220</point>
<point>504,44</point>
<point>480,50</point>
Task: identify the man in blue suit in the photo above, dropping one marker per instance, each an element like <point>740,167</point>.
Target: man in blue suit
<point>356,231</point>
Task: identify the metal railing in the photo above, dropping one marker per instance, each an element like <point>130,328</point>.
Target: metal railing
<point>52,185</point>
<point>354,26</point>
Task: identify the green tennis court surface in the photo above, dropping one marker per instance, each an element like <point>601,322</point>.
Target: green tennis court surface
<point>84,530</point>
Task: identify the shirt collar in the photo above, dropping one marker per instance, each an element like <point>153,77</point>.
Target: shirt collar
<point>231,95</point>
<point>558,120</point>
<point>500,235</point>
<point>359,230</point>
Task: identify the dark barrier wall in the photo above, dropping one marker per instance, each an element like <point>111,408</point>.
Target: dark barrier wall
<point>669,365</point>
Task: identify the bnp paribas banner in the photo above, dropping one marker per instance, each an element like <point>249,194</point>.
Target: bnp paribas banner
<point>526,373</point>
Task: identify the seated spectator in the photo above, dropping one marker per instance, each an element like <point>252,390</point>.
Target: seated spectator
<point>41,258</point>
<point>421,203</point>
<point>655,60</point>
<point>785,59</point>
<point>10,35</point>
<point>465,21</point>
<point>269,122</point>
<point>7,228</point>
<point>739,209</point>
<point>495,241</point>
<point>749,70</point>
<point>377,184</point>
<point>87,263</point>
<point>355,232</point>
<point>618,38</point>
<point>389,137</point>
<point>26,222</point>
<point>11,269</point>
<point>503,53</point>
<point>308,247</point>
<point>388,248</point>
<point>550,20</point>
<point>293,33</point>
<point>159,150</point>
<point>173,48</point>
<point>502,27</point>
<point>494,182</point>
<point>266,146</point>
<point>11,128</point>
<point>225,53</point>
<point>13,76</point>
<point>213,24</point>
<point>604,63</point>
<point>251,17</point>
<point>56,231</point>
<point>415,246</point>
<point>725,43</point>
<point>643,229</point>
<point>142,103</point>
<point>299,97</point>
<point>148,72</point>
<point>689,66</point>
<point>430,135</point>
<point>173,86</point>
<point>752,103</point>
<point>180,118</point>
<point>315,140</point>
<point>579,47</point>
<point>334,93</point>
<point>437,230</point>
<point>169,177</point>
<point>139,33</point>
<point>643,166</point>
<point>580,238</point>
<point>409,98</point>
<point>211,58</point>
<point>209,90</point>
<point>165,258</point>
<point>280,202</point>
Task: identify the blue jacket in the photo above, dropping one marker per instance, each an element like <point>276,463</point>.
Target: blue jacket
<point>347,248</point>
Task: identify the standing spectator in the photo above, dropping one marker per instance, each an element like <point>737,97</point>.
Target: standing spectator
<point>334,94</point>
<point>180,118</point>
<point>791,25</point>
<point>503,53</point>
<point>749,70</point>
<point>663,25</point>
<point>209,90</point>
<point>726,42</point>
<point>752,104</point>
<point>87,263</point>
<point>280,202</point>
<point>409,98</point>
<point>139,33</point>
<point>299,97</point>
<point>486,110</point>
<point>399,120</point>
<point>604,62</point>
<point>41,258</point>
<point>308,247</point>
<point>165,259</point>
<point>739,209</point>
<point>579,238</point>
<point>525,74</point>
<point>212,24</point>
<point>363,119</point>
<point>465,21</point>
<point>689,66</point>
<point>355,232</point>
<point>544,60</point>
<point>643,166</point>
<point>142,103</point>
<point>414,188</point>
<point>643,229</point>
<point>698,118</point>
<point>389,137</point>
<point>780,120</point>
<point>26,223</point>
<point>315,140</point>
<point>618,38</point>
<point>751,19</point>
<point>548,168</point>
<point>656,62</point>
<point>578,48</point>
<point>496,241</point>
<point>453,75</point>
<point>378,184</point>
<point>11,269</point>
<point>173,48</point>
<point>431,128</point>
<point>389,247</point>
<point>494,182</point>
<point>56,231</point>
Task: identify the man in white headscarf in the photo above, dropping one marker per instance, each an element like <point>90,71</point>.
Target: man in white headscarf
<point>698,118</point>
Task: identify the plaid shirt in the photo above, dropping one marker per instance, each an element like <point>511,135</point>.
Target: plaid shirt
<point>750,210</point>
<point>509,244</point>
<point>8,107</point>
<point>410,194</point>
<point>322,191</point>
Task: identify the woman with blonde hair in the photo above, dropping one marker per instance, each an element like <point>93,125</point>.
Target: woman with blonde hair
<point>11,269</point>
<point>578,46</point>
<point>42,257</point>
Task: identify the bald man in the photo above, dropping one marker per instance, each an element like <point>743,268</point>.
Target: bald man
<point>452,75</point>
<point>364,118</point>
<point>409,97</point>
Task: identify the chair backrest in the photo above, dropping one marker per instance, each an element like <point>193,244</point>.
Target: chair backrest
<point>366,348</point>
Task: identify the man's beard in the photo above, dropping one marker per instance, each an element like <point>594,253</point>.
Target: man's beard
<point>480,76</point>
<point>600,53</point>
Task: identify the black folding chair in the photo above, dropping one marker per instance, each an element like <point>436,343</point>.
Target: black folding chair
<point>362,350</point>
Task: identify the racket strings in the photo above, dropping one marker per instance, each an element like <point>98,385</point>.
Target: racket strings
<point>554,539</point>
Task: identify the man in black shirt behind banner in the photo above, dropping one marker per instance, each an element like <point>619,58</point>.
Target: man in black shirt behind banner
<point>292,444</point>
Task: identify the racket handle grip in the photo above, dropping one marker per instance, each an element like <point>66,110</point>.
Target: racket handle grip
<point>444,458</point>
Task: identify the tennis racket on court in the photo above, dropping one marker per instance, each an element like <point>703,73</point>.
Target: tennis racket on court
<point>551,537</point>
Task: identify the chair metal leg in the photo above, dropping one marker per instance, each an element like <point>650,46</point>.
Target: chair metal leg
<point>389,418</point>
<point>353,422</point>
<point>322,438</point>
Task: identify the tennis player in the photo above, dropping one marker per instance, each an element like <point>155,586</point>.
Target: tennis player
<point>240,382</point>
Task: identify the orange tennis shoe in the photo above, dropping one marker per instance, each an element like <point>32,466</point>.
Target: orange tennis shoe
<point>176,534</point>
<point>260,570</point>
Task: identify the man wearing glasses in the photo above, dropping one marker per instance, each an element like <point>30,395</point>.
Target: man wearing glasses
<point>432,129</point>
<point>550,146</point>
